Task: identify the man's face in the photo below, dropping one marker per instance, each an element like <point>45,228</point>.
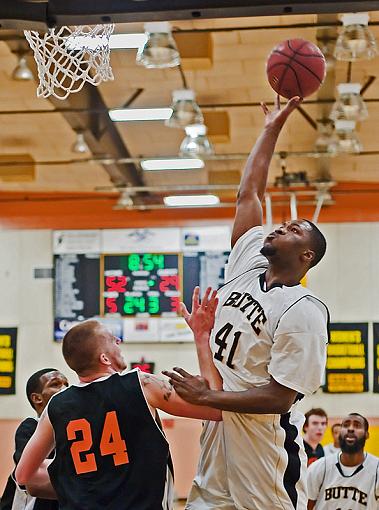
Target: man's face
<point>51,383</point>
<point>353,434</point>
<point>113,351</point>
<point>316,428</point>
<point>292,238</point>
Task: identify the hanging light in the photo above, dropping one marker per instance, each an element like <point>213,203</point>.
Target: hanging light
<point>326,141</point>
<point>355,42</point>
<point>160,49</point>
<point>185,109</point>
<point>327,49</point>
<point>348,141</point>
<point>349,104</point>
<point>125,201</point>
<point>22,72</point>
<point>80,145</point>
<point>196,143</point>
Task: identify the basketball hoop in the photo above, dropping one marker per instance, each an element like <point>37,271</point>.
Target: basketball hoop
<point>68,57</point>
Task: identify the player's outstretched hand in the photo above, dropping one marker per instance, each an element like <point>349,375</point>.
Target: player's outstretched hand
<point>192,388</point>
<point>202,317</point>
<point>278,116</point>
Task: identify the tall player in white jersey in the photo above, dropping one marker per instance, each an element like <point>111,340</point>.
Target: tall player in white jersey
<point>269,346</point>
<point>346,480</point>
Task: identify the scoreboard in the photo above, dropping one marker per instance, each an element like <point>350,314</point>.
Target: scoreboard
<point>125,279</point>
<point>141,283</point>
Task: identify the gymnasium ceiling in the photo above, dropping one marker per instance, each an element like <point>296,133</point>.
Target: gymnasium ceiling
<point>234,83</point>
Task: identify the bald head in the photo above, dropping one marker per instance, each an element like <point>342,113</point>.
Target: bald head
<point>83,345</point>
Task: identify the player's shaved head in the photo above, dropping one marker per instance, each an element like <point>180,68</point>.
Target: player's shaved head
<point>82,346</point>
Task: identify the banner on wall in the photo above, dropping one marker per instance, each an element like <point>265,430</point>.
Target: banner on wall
<point>8,347</point>
<point>347,358</point>
<point>376,358</point>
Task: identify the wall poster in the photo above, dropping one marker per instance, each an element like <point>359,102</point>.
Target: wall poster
<point>347,358</point>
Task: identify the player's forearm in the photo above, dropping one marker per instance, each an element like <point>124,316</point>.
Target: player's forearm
<point>29,474</point>
<point>42,490</point>
<point>206,364</point>
<point>260,400</point>
<point>254,178</point>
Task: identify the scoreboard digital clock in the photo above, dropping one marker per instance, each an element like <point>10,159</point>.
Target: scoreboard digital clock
<point>141,284</point>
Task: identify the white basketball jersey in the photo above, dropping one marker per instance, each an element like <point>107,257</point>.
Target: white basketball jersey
<point>280,332</point>
<point>257,461</point>
<point>336,487</point>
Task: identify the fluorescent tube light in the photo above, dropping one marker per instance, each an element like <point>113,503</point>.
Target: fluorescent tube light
<point>116,41</point>
<point>190,200</point>
<point>127,41</point>
<point>136,114</point>
<point>172,164</point>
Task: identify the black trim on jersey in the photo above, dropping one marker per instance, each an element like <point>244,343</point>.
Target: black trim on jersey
<point>316,299</point>
<point>170,463</point>
<point>376,481</point>
<point>292,472</point>
<point>359,468</point>
<point>263,283</point>
<point>235,278</point>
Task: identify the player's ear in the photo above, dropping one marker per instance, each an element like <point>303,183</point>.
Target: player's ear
<point>308,256</point>
<point>36,398</point>
<point>104,360</point>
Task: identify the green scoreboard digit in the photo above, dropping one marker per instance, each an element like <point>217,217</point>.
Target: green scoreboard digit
<point>141,284</point>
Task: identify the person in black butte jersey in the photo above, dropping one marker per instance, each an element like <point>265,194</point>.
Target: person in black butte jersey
<point>269,346</point>
<point>110,451</point>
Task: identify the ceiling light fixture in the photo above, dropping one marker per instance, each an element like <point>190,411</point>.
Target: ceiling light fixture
<point>185,109</point>
<point>191,200</point>
<point>125,200</point>
<point>80,146</point>
<point>326,141</point>
<point>172,164</point>
<point>159,50</point>
<point>196,143</point>
<point>355,42</point>
<point>22,72</point>
<point>327,49</point>
<point>348,141</point>
<point>349,104</point>
<point>139,114</point>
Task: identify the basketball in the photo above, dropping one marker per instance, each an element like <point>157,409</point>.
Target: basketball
<point>296,67</point>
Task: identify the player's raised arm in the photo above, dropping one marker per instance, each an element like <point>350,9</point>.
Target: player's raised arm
<point>201,321</point>
<point>254,177</point>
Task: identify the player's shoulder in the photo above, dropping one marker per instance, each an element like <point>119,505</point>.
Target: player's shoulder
<point>301,301</point>
<point>251,239</point>
<point>372,461</point>
<point>29,424</point>
<point>316,465</point>
<point>321,466</point>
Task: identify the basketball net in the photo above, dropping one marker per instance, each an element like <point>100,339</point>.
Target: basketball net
<point>68,57</point>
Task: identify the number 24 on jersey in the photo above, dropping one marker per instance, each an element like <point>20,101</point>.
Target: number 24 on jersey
<point>111,443</point>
